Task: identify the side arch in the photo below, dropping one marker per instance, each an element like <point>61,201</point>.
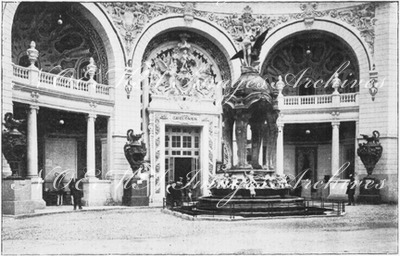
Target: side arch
<point>95,16</point>
<point>105,29</point>
<point>340,30</point>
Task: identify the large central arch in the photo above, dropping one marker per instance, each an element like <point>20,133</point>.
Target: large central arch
<point>173,22</point>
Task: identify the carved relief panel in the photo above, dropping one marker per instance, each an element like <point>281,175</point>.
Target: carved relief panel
<point>184,64</point>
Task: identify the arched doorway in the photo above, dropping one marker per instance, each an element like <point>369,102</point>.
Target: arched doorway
<point>181,106</point>
<point>312,57</point>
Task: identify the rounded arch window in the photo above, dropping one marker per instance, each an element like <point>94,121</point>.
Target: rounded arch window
<point>308,60</point>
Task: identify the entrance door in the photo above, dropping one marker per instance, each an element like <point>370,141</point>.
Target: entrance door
<point>306,161</point>
<point>183,166</point>
<point>60,157</point>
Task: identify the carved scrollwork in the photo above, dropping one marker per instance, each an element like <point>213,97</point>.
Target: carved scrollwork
<point>131,17</point>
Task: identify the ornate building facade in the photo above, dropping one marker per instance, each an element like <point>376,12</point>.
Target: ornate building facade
<point>96,70</point>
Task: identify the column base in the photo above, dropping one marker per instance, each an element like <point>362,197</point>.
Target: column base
<point>17,197</point>
<point>37,193</point>
<point>95,192</point>
<point>156,201</point>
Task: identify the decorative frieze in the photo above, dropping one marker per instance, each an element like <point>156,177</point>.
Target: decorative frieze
<point>130,18</point>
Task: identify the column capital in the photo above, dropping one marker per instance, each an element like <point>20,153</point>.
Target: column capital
<point>280,125</point>
<point>335,123</point>
<point>34,107</point>
<point>91,115</point>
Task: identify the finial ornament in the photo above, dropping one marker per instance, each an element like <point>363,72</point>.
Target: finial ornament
<point>336,83</point>
<point>33,54</point>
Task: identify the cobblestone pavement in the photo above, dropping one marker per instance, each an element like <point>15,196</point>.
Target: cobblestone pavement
<point>364,229</point>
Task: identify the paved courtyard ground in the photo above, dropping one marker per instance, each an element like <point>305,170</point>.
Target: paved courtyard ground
<point>364,229</point>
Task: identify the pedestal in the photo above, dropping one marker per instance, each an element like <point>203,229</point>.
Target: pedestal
<point>369,191</point>
<point>95,192</point>
<point>337,189</point>
<point>16,197</point>
<point>138,193</point>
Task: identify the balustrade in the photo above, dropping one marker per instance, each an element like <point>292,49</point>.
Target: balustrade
<point>315,101</point>
<point>20,72</point>
<point>75,86</point>
<point>348,97</point>
<point>59,83</point>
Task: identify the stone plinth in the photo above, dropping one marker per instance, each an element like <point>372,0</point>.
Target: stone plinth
<point>272,205</point>
<point>370,191</point>
<point>139,193</point>
<point>95,192</point>
<point>337,189</point>
<point>17,197</point>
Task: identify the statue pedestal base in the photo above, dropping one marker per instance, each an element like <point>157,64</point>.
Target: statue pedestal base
<point>16,198</point>
<point>139,194</point>
<point>135,193</point>
<point>369,191</point>
<point>95,192</point>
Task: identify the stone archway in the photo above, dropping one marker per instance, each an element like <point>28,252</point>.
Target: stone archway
<point>64,38</point>
<point>343,31</point>
<point>161,25</point>
<point>307,60</point>
<point>94,18</point>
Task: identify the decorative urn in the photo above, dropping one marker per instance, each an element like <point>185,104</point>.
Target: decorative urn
<point>370,152</point>
<point>33,54</point>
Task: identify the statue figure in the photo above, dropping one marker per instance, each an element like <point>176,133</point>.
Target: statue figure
<point>373,139</point>
<point>135,150</point>
<point>251,101</point>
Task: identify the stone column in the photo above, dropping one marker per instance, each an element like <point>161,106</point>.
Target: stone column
<point>32,145</point>
<point>96,192</point>
<point>279,149</point>
<point>90,148</point>
<point>335,147</point>
<point>32,152</point>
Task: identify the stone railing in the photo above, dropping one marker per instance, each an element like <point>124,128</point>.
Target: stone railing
<point>61,84</point>
<point>318,101</point>
<point>348,98</point>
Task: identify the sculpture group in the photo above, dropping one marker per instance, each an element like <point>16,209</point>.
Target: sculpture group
<point>251,101</point>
